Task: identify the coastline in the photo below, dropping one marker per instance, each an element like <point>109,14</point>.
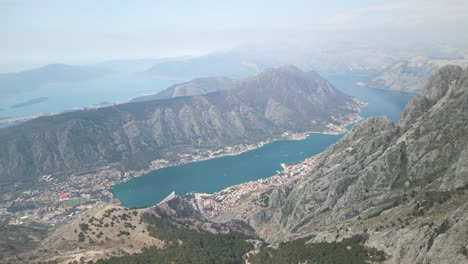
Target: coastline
<point>94,187</point>
<point>239,149</point>
<point>216,204</point>
<point>186,158</point>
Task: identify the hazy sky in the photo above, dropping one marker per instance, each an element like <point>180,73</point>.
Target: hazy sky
<point>46,31</point>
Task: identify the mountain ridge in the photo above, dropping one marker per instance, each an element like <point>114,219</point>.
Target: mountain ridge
<point>134,134</point>
<point>391,181</point>
<point>396,193</point>
<point>198,86</point>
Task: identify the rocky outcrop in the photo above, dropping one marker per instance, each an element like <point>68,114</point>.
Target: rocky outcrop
<point>405,184</point>
<point>179,211</point>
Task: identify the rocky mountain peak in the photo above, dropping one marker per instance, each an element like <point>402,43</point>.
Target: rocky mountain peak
<point>400,184</point>
<point>176,206</point>
<point>440,82</point>
<point>436,88</point>
<point>290,81</point>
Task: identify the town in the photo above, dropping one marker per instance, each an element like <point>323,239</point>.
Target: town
<point>56,199</point>
<point>216,204</point>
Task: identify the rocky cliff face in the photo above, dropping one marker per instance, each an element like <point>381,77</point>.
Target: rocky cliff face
<point>134,134</point>
<point>405,184</point>
<point>410,75</point>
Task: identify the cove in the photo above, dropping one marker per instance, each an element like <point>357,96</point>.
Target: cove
<point>216,174</point>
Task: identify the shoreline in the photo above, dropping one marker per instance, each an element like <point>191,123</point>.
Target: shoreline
<point>93,187</point>
<point>216,204</point>
<point>287,136</point>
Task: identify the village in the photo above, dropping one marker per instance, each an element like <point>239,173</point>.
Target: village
<point>216,204</point>
<point>55,200</point>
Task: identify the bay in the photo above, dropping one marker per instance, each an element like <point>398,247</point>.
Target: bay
<point>216,174</point>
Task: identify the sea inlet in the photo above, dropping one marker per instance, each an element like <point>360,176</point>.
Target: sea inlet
<point>218,173</point>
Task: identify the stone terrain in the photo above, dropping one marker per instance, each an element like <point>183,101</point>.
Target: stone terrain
<point>111,230</point>
<point>404,184</point>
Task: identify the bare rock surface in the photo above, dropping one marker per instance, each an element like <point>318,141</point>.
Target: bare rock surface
<point>404,184</point>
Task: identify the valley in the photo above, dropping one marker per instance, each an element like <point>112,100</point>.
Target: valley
<point>362,198</point>
<point>40,200</point>
<point>234,132</point>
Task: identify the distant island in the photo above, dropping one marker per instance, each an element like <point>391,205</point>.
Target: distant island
<point>30,102</point>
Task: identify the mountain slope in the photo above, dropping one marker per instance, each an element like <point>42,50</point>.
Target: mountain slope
<point>410,75</point>
<point>166,233</point>
<point>404,185</point>
<point>131,135</point>
<point>194,87</point>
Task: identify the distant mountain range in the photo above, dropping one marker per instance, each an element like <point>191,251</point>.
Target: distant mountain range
<point>233,64</point>
<point>194,87</point>
<point>410,75</point>
<point>133,134</point>
<point>14,83</point>
<point>385,193</point>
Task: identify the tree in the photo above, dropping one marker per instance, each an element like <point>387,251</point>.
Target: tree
<point>81,237</point>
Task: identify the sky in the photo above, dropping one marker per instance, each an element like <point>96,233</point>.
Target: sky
<point>60,31</point>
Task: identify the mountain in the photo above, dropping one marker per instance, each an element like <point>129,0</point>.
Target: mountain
<point>169,231</point>
<point>194,87</point>
<point>404,187</point>
<point>385,193</point>
<point>131,135</point>
<point>410,75</point>
<point>133,65</point>
<point>326,58</point>
<point>14,83</point>
<point>234,64</point>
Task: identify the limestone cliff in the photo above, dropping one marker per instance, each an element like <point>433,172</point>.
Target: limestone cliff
<point>405,184</point>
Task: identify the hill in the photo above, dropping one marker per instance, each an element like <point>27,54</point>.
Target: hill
<point>194,87</point>
<point>131,135</point>
<point>403,186</point>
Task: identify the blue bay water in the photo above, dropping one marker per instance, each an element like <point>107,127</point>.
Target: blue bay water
<point>216,174</point>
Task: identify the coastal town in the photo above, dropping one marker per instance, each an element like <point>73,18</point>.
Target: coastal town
<point>216,204</point>
<point>55,200</point>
